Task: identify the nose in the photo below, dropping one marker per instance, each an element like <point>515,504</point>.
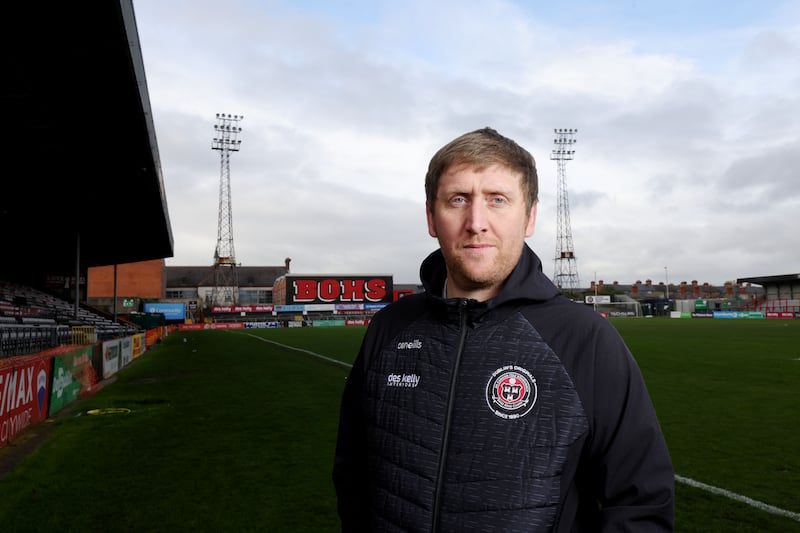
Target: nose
<point>477,217</point>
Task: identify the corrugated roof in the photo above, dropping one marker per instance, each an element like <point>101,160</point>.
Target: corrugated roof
<point>84,178</point>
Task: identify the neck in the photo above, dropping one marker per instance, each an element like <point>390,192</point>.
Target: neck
<point>450,290</point>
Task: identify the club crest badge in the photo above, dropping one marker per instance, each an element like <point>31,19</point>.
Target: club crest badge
<point>511,392</point>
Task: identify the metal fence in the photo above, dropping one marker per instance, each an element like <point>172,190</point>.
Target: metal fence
<point>21,339</point>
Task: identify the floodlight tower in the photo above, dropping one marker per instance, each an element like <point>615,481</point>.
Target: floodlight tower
<point>566,269</point>
<point>226,284</point>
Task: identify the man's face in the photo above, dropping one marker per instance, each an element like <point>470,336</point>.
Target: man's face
<point>481,222</point>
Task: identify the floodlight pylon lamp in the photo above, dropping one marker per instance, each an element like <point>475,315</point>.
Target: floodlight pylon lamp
<point>565,273</point>
<point>226,287</point>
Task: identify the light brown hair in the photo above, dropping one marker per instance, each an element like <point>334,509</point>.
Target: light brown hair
<point>481,148</point>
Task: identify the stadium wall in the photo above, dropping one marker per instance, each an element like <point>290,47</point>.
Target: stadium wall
<point>35,387</point>
<point>145,279</point>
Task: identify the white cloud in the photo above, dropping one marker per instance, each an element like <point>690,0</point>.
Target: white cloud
<point>687,143</point>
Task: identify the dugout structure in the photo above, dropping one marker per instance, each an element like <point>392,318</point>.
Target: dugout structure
<point>781,293</point>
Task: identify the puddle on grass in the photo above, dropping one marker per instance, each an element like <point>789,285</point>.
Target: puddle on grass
<point>109,411</point>
<point>148,403</point>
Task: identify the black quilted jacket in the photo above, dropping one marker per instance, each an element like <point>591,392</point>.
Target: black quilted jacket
<point>523,413</point>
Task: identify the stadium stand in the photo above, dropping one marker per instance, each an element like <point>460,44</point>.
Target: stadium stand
<point>83,184</point>
<point>781,293</point>
<point>33,321</point>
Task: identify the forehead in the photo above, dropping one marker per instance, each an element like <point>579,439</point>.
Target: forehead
<point>470,175</point>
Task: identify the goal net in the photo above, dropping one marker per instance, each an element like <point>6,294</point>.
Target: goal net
<point>619,309</point>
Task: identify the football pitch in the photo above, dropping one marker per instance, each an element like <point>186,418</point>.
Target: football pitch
<point>235,430</point>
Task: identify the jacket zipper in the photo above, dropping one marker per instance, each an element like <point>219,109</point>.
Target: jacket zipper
<point>448,415</point>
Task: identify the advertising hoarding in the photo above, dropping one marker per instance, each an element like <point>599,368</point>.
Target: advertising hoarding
<point>24,397</point>
<point>598,299</point>
<point>171,311</point>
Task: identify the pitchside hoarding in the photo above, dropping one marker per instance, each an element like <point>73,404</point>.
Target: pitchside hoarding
<point>240,309</point>
<point>112,356</point>
<point>24,397</point>
<point>73,375</point>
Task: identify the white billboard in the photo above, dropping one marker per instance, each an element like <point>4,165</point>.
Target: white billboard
<point>599,299</point>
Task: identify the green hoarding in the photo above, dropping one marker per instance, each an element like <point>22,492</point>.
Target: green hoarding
<point>66,389</point>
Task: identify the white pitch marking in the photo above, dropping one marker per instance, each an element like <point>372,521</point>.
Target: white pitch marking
<point>739,498</point>
<point>309,352</point>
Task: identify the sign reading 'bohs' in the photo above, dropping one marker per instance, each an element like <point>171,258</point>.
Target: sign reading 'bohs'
<point>321,289</point>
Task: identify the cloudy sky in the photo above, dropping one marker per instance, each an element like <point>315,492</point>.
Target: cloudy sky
<point>688,119</point>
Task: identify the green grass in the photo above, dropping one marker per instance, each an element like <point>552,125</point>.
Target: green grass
<point>226,433</point>
<point>727,395</point>
<point>229,432</point>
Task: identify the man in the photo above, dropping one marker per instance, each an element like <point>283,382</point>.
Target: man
<point>491,402</point>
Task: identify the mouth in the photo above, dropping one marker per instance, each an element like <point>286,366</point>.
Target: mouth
<point>477,247</point>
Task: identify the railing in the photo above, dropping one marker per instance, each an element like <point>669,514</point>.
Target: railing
<point>84,335</point>
<point>21,339</point>
<point>777,305</point>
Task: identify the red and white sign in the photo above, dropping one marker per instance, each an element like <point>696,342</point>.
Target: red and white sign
<point>24,397</point>
<point>780,314</point>
<point>319,289</point>
<point>242,308</point>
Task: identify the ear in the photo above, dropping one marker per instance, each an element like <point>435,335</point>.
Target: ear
<point>429,216</point>
<point>531,221</point>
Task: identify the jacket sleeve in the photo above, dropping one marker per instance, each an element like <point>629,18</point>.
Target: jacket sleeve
<point>350,467</point>
<point>631,467</point>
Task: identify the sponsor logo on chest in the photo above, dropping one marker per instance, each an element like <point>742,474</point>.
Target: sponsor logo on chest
<point>402,380</point>
<point>511,392</point>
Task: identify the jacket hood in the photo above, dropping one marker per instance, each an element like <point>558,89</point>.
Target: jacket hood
<point>526,282</point>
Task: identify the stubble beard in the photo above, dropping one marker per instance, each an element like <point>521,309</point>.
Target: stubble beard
<point>471,277</point>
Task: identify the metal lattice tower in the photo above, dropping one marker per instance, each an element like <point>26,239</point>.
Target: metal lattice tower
<point>226,283</point>
<point>566,269</point>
